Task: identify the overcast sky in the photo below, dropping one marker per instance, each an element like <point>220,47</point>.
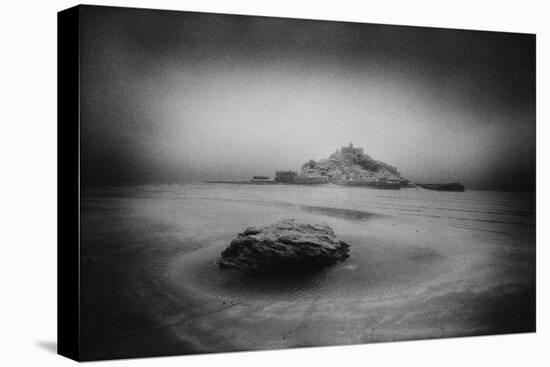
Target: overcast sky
<point>175,96</point>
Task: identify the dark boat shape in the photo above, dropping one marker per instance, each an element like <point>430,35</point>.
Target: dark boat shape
<point>455,186</point>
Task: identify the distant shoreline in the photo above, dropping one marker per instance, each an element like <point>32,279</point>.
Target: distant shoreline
<point>85,186</point>
<point>264,183</point>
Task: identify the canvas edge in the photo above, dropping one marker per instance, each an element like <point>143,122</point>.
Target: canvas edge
<point>68,182</point>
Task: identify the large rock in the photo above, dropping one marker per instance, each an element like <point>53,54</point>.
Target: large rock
<point>285,245</point>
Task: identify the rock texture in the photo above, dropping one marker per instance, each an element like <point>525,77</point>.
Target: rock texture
<point>285,245</point>
<point>350,163</point>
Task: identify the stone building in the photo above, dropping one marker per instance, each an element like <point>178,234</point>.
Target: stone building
<point>285,176</point>
<point>351,150</point>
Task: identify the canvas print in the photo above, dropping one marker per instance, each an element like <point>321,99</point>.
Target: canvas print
<point>258,183</point>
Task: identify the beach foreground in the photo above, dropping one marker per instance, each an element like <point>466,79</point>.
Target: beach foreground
<point>422,264</point>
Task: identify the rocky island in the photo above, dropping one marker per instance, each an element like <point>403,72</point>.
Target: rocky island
<point>351,166</point>
<point>285,245</point>
<point>348,166</point>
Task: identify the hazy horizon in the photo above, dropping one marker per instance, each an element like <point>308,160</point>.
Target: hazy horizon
<point>178,96</point>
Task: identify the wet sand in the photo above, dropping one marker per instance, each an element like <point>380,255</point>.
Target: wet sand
<point>151,285</point>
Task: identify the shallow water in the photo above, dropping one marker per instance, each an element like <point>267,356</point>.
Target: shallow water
<point>422,264</point>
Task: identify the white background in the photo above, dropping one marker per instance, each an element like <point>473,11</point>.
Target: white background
<point>28,140</point>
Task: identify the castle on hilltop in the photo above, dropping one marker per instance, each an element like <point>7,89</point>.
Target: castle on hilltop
<point>350,150</point>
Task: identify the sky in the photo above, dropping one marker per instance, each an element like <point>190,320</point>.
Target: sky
<point>170,97</point>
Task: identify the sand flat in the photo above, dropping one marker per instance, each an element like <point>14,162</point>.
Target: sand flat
<point>423,265</point>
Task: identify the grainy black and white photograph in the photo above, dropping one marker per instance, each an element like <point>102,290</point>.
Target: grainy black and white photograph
<point>260,183</point>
